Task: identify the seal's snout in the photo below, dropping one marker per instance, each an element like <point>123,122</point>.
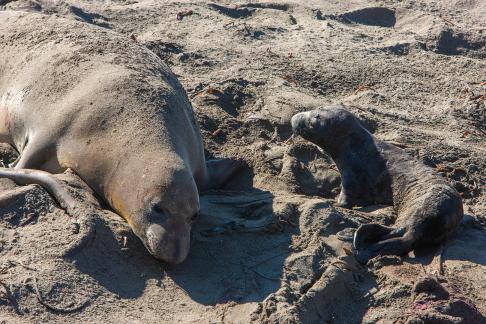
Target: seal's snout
<point>298,123</point>
<point>169,246</point>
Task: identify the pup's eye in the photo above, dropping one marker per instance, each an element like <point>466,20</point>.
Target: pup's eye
<point>157,209</point>
<point>315,120</point>
<point>194,217</point>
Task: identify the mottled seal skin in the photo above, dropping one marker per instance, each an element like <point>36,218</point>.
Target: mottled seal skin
<point>73,95</point>
<point>375,172</point>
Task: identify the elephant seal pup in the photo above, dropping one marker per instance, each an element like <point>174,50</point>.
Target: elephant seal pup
<point>73,95</point>
<point>374,172</point>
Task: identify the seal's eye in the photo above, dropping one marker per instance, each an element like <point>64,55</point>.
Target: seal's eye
<point>314,121</point>
<point>158,214</point>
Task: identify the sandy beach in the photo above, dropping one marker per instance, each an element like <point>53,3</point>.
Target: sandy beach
<point>271,246</point>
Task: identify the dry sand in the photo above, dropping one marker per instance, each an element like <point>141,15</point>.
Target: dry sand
<point>271,247</point>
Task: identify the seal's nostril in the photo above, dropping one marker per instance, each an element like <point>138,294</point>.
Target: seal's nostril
<point>155,234</point>
<point>162,244</point>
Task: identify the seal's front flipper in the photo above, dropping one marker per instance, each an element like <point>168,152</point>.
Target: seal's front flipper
<point>221,170</point>
<point>35,154</point>
<point>343,199</point>
<point>54,186</point>
<point>371,240</point>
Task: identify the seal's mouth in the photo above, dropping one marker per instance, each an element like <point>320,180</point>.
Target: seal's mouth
<point>169,246</point>
<point>298,124</point>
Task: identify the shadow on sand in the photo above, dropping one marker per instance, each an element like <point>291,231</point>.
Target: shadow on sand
<point>237,253</point>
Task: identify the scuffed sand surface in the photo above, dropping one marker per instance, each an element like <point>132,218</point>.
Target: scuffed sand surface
<point>271,247</point>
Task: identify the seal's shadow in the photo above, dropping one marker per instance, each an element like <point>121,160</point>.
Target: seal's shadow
<point>238,251</point>
<point>116,259</point>
<point>468,243</point>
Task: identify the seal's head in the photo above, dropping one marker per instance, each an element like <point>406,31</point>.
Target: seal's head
<point>326,127</point>
<point>160,207</point>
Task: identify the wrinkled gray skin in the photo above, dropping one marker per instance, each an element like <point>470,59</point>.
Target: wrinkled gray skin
<point>374,172</point>
<point>76,96</point>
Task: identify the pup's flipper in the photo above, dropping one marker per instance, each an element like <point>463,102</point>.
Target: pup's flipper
<point>371,240</point>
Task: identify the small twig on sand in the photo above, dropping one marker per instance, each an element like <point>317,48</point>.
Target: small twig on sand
<point>449,22</point>
<point>346,266</point>
<point>290,79</point>
<point>362,87</point>
<point>290,139</point>
<point>194,95</point>
<point>30,218</point>
<point>398,144</point>
<point>184,13</point>
<point>56,308</point>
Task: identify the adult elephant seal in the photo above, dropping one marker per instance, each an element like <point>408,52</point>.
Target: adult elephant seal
<point>374,172</point>
<point>76,96</point>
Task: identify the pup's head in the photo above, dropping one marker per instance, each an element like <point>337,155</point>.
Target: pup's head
<point>326,127</point>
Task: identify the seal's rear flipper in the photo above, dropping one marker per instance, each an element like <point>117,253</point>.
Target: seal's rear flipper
<point>54,186</point>
<point>221,170</point>
<point>369,233</point>
<point>393,246</point>
<point>371,240</point>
